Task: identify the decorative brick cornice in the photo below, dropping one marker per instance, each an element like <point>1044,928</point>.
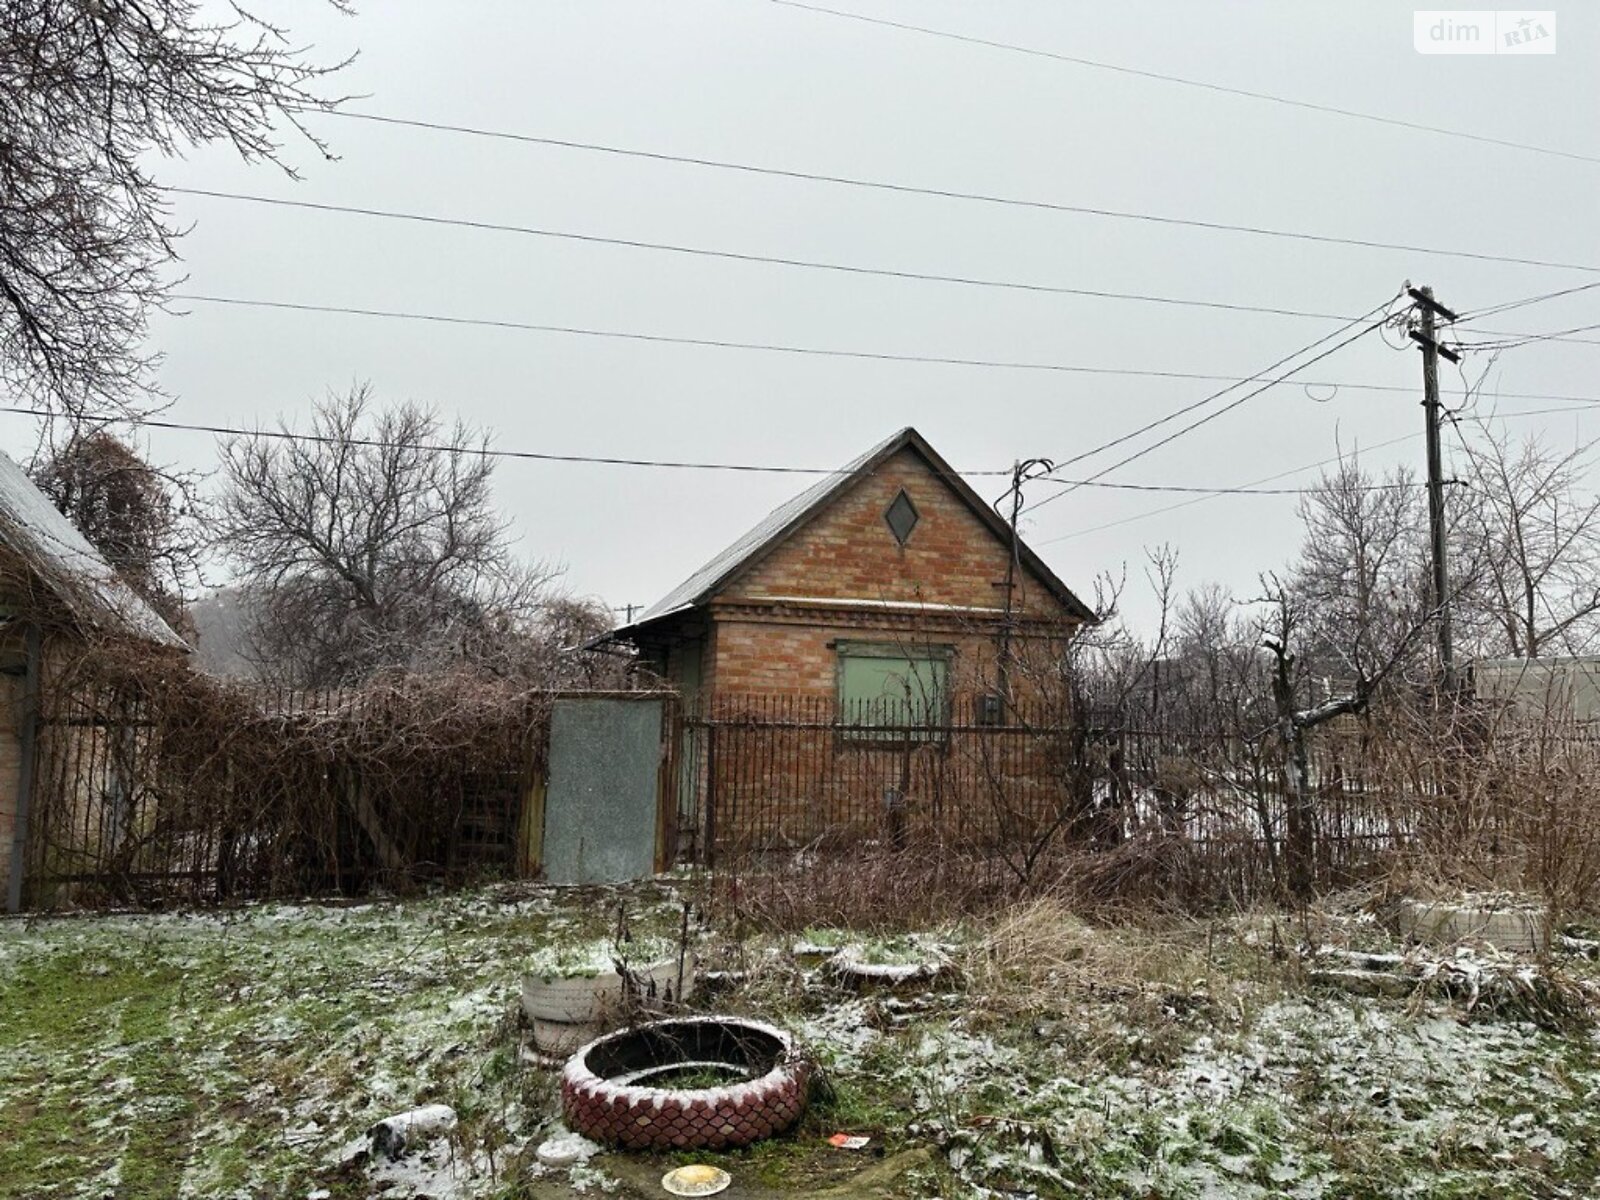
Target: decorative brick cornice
<point>925,619</point>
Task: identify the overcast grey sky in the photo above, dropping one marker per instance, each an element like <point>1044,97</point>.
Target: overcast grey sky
<point>753,81</point>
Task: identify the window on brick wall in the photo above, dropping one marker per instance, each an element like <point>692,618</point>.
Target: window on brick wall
<point>901,516</point>
<point>892,688</point>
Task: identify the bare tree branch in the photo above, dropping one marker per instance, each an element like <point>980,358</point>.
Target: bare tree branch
<point>89,91</point>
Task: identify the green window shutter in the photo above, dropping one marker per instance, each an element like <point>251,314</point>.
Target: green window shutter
<point>892,691</point>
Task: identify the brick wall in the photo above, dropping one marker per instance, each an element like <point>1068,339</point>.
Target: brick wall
<point>847,550</point>
<point>775,628</point>
<point>784,775</point>
<point>790,649</point>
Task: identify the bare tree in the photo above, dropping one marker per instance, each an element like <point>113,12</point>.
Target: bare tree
<point>1373,654</point>
<point>565,630</point>
<point>89,91</point>
<point>144,520</point>
<point>1360,579</point>
<point>1532,531</point>
<point>1216,680</point>
<point>371,542</point>
<point>549,644</point>
<point>1109,667</point>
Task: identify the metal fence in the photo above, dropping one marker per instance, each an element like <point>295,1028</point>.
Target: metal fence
<point>198,790</point>
<point>984,795</point>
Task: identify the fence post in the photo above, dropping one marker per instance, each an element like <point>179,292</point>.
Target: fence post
<point>711,790</point>
<point>28,744</point>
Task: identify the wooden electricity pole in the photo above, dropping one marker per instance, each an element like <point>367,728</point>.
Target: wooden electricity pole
<point>1021,472</point>
<point>1427,337</point>
<point>1014,550</point>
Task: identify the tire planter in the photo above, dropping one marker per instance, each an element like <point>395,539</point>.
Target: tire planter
<point>578,999</point>
<point>606,1094</point>
<point>561,1038</point>
<point>1521,929</point>
<point>852,970</point>
<point>566,1012</point>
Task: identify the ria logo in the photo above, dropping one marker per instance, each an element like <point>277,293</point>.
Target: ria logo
<point>1483,31</point>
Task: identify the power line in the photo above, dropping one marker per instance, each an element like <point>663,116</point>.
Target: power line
<point>1166,508</point>
<point>1204,85</point>
<point>441,447</point>
<point>782,348</point>
<point>1212,416</point>
<point>1204,400</point>
<point>1525,301</point>
<point>1155,512</point>
<point>769,259</point>
<point>811,264</point>
<point>585,459</point>
<point>1514,340</point>
<point>947,193</point>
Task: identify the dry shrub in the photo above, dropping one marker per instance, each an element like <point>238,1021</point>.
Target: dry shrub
<point>1546,997</point>
<point>865,888</point>
<point>202,788</point>
<point>1034,953</point>
<point>1455,799</point>
<point>926,884</point>
<point>1506,802</point>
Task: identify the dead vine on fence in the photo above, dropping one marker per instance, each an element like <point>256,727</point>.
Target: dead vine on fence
<point>158,782</point>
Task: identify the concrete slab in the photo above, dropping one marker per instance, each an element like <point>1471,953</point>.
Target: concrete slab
<point>1522,930</point>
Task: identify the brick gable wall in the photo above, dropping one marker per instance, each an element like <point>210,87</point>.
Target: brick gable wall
<point>774,630</point>
<point>847,550</point>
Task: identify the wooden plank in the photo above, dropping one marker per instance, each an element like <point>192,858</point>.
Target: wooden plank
<point>530,829</point>
<point>389,854</point>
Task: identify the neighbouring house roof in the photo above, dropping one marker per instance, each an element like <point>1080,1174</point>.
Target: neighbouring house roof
<point>50,545</point>
<point>1563,683</point>
<point>782,521</point>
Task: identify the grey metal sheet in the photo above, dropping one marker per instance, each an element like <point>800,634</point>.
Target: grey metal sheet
<point>600,809</point>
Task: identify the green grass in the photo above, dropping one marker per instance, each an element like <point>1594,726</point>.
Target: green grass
<point>233,1053</point>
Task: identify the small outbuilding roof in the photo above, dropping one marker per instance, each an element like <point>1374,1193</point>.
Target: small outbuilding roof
<point>36,531</point>
<point>721,570</point>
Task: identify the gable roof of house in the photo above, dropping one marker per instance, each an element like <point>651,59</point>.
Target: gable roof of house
<point>782,521</point>
<point>50,545</point>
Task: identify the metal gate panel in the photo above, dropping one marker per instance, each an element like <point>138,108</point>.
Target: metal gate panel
<point>602,817</point>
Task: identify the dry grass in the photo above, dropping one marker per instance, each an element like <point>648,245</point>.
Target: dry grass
<point>1027,958</point>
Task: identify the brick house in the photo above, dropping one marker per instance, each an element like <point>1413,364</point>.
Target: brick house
<point>884,583</point>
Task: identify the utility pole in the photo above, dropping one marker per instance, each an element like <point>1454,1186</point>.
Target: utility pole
<point>1010,584</point>
<point>1021,471</point>
<point>1427,338</point>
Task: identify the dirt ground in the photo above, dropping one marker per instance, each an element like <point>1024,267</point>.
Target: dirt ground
<point>823,1173</point>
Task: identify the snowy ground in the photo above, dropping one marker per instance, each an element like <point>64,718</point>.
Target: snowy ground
<point>235,1054</point>
<point>243,1054</point>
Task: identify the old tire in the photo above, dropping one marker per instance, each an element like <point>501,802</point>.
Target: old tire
<point>584,998</point>
<point>854,972</point>
<point>598,1101</point>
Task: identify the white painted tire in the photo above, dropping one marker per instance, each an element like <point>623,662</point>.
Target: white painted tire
<point>559,1038</point>
<point>592,998</point>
